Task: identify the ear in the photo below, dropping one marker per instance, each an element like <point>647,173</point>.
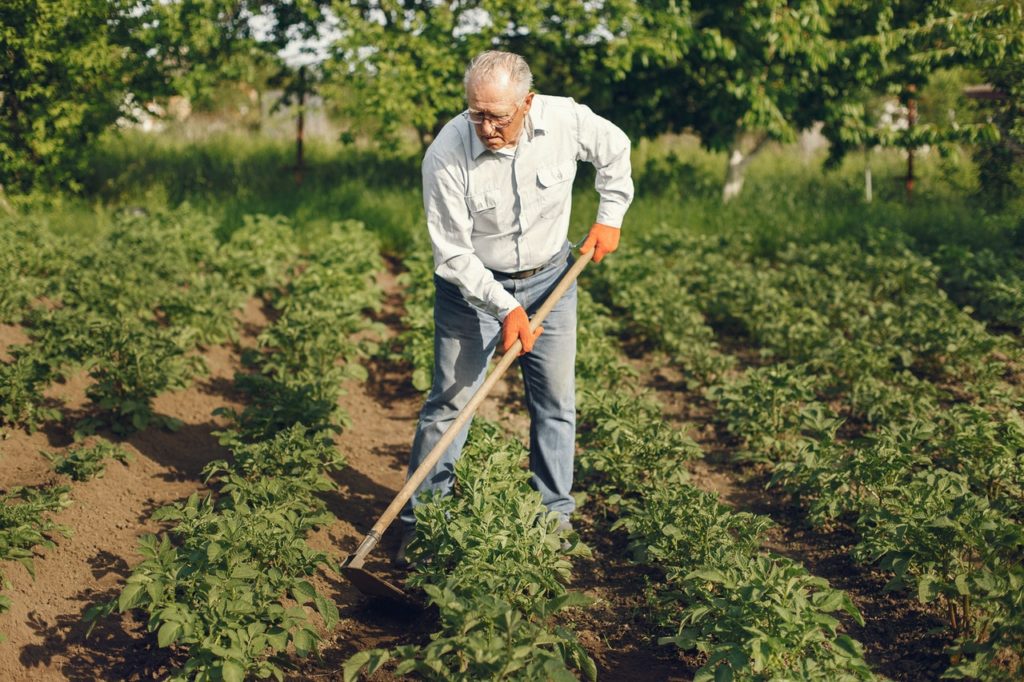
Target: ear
<point>528,101</point>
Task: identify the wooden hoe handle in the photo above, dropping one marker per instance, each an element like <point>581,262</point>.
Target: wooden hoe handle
<point>417,477</point>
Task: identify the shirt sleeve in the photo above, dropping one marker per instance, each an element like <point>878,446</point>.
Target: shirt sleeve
<point>450,226</point>
<point>603,144</point>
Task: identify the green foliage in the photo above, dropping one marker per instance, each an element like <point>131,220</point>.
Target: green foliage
<point>490,558</point>
<point>992,284</point>
<point>68,66</point>
<point>132,363</point>
<point>216,586</point>
<point>862,333</point>
<point>25,525</point>
<point>764,406</point>
<point>22,382</point>
<point>131,307</point>
<point>755,616</point>
<point>83,463</point>
<point>402,65</point>
<point>218,591</point>
<point>415,343</point>
<point>312,347</point>
<point>491,640</point>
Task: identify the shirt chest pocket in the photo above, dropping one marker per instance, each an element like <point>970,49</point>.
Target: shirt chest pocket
<point>483,207</point>
<point>554,185</point>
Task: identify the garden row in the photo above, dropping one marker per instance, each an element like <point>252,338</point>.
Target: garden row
<point>488,556</point>
<point>749,612</point>
<point>877,402</point>
<point>228,586</point>
<point>131,307</point>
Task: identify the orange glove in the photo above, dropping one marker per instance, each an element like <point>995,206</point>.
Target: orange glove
<point>603,239</point>
<point>517,326</point>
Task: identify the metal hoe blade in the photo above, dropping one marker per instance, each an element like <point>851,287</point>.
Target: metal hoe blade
<point>373,586</point>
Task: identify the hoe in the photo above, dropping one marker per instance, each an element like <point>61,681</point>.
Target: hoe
<point>375,586</point>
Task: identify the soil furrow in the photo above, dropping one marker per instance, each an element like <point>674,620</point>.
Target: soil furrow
<point>899,634</point>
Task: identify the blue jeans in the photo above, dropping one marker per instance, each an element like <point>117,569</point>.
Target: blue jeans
<point>465,338</point>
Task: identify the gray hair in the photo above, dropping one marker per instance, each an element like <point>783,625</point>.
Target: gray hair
<point>489,65</point>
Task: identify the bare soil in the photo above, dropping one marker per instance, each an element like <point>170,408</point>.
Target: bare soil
<point>46,633</point>
<point>384,412</point>
<point>902,639</point>
<point>45,630</point>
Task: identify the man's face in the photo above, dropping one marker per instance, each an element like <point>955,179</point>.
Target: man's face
<point>494,100</point>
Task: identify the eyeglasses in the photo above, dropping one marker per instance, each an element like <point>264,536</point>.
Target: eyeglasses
<point>497,122</point>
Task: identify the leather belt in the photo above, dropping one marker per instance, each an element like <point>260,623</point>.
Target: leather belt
<point>523,274</point>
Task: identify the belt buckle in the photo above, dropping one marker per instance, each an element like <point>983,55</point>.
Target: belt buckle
<point>523,274</point>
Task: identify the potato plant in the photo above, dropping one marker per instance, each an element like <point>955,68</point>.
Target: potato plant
<point>229,586</point>
<point>25,525</point>
<point>489,558</point>
<point>932,492</point>
<point>754,615</point>
<point>214,586</point>
<point>132,307</point>
<point>315,343</point>
<point>415,343</point>
<point>82,463</point>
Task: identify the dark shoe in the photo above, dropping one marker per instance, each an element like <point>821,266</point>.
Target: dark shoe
<point>400,560</point>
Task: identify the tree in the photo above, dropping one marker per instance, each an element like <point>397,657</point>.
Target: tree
<point>70,68</point>
<point>402,61</point>
<point>66,67</point>
<point>738,73</point>
<point>908,42</point>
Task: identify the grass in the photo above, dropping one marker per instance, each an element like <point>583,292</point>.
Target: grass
<point>787,197</point>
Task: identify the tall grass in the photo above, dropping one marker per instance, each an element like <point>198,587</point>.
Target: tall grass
<point>788,196</point>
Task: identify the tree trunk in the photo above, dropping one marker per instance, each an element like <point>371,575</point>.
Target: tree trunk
<point>911,122</point>
<point>300,128</point>
<point>737,165</point>
<point>867,175</point>
<point>259,105</point>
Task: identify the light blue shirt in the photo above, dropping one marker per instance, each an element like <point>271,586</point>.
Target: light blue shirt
<point>508,210</point>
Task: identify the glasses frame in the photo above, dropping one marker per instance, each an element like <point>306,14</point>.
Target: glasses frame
<point>486,117</point>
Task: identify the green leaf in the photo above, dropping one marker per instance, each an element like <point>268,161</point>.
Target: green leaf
<point>168,633</point>
<point>305,641</point>
<point>232,672</point>
<point>130,597</point>
<point>849,646</point>
<point>355,663</point>
<point>926,589</point>
<point>328,610</point>
<point>303,592</point>
<point>277,639</point>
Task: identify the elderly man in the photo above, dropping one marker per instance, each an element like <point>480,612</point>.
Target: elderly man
<point>497,190</point>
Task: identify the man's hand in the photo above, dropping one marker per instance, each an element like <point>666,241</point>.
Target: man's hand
<point>603,239</point>
<point>517,326</point>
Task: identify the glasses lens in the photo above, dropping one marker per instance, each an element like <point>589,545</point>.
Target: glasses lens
<point>497,122</point>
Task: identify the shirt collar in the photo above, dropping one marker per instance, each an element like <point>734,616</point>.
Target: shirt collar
<point>534,124</point>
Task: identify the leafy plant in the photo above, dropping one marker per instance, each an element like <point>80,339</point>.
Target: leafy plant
<point>84,463</point>
<point>220,590</point>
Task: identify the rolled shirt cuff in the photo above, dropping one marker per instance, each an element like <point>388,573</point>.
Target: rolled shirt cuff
<point>611,214</point>
<point>503,305</point>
